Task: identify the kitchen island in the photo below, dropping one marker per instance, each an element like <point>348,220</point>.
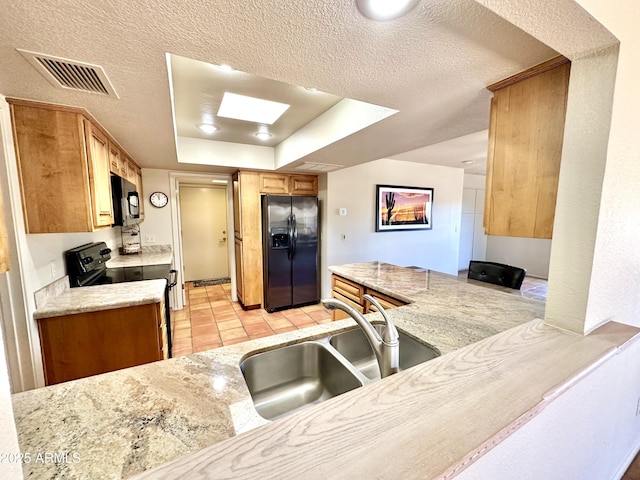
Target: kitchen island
<point>500,365</point>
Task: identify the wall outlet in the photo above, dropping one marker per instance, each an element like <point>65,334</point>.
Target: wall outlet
<point>150,238</point>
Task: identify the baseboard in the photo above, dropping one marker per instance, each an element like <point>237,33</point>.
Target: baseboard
<point>627,461</point>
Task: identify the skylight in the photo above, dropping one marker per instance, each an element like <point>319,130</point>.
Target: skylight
<point>251,109</point>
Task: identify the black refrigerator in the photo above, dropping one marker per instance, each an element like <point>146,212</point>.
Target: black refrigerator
<point>290,249</point>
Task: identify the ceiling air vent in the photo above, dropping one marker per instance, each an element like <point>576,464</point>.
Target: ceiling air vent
<point>71,74</point>
<point>318,167</point>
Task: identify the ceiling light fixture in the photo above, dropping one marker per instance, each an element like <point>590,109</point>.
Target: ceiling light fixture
<point>383,10</point>
<point>225,68</point>
<point>251,109</point>
<point>263,133</point>
<point>311,89</point>
<point>467,162</point>
<point>208,128</point>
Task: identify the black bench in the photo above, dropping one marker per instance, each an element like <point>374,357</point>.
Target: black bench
<point>497,273</point>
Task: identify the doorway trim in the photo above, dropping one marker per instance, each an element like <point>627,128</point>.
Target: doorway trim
<point>175,179</point>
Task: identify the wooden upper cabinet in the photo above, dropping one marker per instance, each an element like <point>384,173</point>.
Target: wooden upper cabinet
<point>99,176</point>
<point>285,184</point>
<point>525,145</point>
<point>115,159</point>
<point>303,185</point>
<point>53,169</point>
<point>275,183</point>
<point>65,161</point>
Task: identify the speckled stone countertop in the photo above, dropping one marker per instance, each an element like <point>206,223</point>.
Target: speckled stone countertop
<point>124,422</point>
<point>146,257</point>
<point>103,297</point>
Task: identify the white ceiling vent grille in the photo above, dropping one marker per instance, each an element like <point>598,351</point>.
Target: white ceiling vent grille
<point>71,74</point>
<point>318,167</point>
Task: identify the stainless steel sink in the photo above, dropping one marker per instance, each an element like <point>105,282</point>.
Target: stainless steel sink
<point>353,345</point>
<point>290,378</point>
<point>294,377</point>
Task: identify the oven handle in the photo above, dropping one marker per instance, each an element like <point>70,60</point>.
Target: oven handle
<point>173,275</point>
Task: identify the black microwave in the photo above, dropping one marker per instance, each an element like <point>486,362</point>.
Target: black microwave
<point>126,202</point>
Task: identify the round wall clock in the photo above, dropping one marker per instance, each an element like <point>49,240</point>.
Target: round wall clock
<point>159,199</point>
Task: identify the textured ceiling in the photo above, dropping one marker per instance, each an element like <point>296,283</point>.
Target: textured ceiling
<point>432,65</point>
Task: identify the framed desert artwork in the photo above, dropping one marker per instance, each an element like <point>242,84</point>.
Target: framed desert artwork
<point>403,208</point>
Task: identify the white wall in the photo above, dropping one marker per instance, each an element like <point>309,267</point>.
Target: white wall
<point>157,221</point>
<point>531,254</point>
<point>355,189</point>
<point>590,432</point>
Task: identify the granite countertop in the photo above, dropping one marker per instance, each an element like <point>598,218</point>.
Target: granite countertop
<point>124,422</point>
<point>146,257</point>
<point>102,297</point>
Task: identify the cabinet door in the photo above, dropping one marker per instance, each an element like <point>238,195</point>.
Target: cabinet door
<point>239,270</point>
<point>99,176</point>
<point>237,208</point>
<point>274,183</point>
<point>303,185</point>
<point>525,146</point>
<point>135,176</point>
<point>79,345</point>
<point>115,159</point>
<point>52,163</point>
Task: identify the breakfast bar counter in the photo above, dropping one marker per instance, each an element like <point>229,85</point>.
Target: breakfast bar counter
<point>195,413</point>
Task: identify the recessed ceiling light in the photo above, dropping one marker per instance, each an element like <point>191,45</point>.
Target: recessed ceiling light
<point>263,133</point>
<point>251,109</point>
<point>226,68</point>
<point>264,136</point>
<point>467,162</point>
<point>385,9</point>
<point>208,128</point>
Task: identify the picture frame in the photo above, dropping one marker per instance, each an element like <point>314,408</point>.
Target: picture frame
<point>403,208</point>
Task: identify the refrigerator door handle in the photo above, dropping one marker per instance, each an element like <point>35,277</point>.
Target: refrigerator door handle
<point>290,235</point>
<point>294,236</point>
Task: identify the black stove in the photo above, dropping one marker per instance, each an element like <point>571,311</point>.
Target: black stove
<point>87,265</point>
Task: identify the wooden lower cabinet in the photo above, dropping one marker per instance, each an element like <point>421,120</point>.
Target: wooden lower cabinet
<point>84,344</point>
<point>352,293</point>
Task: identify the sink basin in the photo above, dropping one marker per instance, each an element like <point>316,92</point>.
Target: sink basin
<point>290,378</point>
<point>294,377</point>
<point>354,346</point>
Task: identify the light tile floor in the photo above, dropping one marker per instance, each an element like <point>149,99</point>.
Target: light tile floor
<point>210,319</point>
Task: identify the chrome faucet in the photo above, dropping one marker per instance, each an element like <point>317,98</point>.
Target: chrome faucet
<point>386,347</point>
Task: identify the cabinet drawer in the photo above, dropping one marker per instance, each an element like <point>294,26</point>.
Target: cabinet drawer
<point>339,314</point>
<point>385,301</point>
<point>347,288</point>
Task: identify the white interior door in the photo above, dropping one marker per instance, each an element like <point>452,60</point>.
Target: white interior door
<point>203,218</point>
